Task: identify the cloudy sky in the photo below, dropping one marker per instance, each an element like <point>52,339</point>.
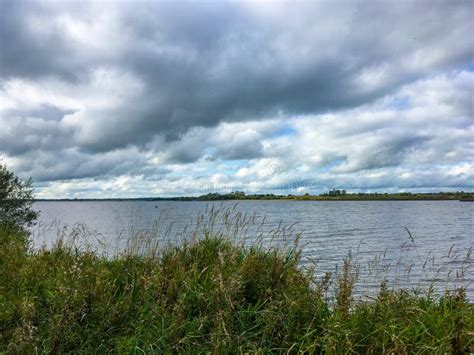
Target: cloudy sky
<point>131,99</point>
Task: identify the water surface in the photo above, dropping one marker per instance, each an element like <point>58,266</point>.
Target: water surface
<point>374,231</point>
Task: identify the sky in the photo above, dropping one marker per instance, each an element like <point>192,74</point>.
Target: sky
<point>135,99</point>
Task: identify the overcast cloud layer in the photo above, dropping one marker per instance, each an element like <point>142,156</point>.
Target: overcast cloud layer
<point>125,99</point>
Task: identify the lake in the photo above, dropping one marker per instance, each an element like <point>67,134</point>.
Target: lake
<point>437,250</point>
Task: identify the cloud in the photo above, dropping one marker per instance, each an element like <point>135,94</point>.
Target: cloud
<point>434,129</point>
<point>425,144</point>
<point>200,64</point>
<point>232,90</point>
<point>238,141</point>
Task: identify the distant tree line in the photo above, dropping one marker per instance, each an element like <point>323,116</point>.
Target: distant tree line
<point>334,194</point>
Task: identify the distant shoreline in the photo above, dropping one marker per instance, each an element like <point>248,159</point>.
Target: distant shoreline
<point>331,196</point>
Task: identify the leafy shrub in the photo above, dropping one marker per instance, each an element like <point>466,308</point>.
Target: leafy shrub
<point>16,198</point>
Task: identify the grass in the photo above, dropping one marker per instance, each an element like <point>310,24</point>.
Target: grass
<point>210,295</point>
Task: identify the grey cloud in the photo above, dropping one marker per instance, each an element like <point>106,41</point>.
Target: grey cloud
<point>24,134</point>
<point>244,150</point>
<point>185,69</point>
<point>33,129</point>
<point>386,151</point>
<point>187,150</point>
<point>46,112</point>
<point>72,164</point>
<point>206,63</point>
<point>33,45</point>
<point>236,144</point>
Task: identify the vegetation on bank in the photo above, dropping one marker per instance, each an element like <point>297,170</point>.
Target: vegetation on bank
<point>336,194</point>
<point>16,198</point>
<point>209,295</point>
<point>332,195</point>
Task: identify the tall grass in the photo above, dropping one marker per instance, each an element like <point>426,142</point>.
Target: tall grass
<point>212,291</point>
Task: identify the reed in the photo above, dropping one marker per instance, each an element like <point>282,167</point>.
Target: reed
<point>224,286</point>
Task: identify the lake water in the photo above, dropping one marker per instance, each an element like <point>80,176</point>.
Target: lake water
<point>373,231</point>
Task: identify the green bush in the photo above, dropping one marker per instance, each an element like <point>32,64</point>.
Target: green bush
<point>16,198</point>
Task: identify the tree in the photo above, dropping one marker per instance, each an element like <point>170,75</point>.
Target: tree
<point>16,199</point>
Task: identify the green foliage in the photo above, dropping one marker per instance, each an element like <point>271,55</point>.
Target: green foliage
<point>208,296</point>
<point>16,198</point>
<point>332,195</point>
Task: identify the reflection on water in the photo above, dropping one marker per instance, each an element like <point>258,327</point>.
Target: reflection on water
<point>373,231</point>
